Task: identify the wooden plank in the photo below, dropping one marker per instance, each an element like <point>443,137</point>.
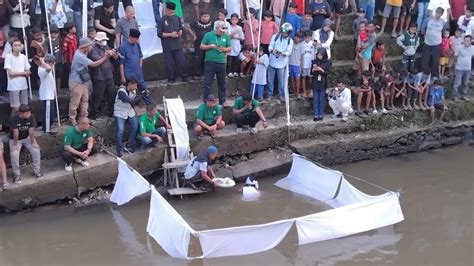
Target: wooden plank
<point>175,164</point>
<point>184,191</point>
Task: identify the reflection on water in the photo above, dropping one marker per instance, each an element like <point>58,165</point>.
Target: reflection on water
<point>437,201</point>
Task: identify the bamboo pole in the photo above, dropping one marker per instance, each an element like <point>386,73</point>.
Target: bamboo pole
<point>25,42</point>
<point>258,44</point>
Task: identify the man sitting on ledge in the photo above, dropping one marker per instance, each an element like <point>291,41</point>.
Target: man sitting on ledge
<point>148,134</point>
<point>199,174</point>
<point>78,144</point>
<point>208,118</point>
<point>247,112</point>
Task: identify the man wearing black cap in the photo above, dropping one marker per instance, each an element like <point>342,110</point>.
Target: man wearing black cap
<point>170,31</point>
<point>131,63</point>
<point>208,117</point>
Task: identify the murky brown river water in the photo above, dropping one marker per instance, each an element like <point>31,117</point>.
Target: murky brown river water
<point>437,201</point>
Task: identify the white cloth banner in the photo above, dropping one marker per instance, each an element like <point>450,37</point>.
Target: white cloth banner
<point>167,227</point>
<point>242,240</point>
<point>129,184</point>
<point>310,180</point>
<point>149,41</point>
<point>351,219</point>
<point>177,115</point>
<point>348,194</point>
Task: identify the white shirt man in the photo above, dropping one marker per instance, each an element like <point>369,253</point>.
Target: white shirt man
<point>340,101</point>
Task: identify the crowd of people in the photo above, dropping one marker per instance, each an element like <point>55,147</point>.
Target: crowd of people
<point>290,43</point>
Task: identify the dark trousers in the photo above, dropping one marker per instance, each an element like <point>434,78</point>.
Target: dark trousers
<point>103,90</point>
<point>319,98</point>
<point>198,62</point>
<point>430,58</point>
<point>172,59</point>
<point>211,69</point>
<point>125,3</point>
<point>69,157</point>
<point>251,120</point>
<point>233,64</point>
<point>49,114</point>
<point>3,79</point>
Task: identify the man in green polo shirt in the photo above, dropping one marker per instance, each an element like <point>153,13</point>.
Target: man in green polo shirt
<point>215,44</point>
<point>208,118</point>
<point>148,134</point>
<point>78,144</point>
<point>247,112</point>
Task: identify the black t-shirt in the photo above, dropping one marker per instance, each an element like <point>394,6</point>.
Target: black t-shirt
<point>200,29</point>
<point>169,24</point>
<point>23,125</point>
<point>99,14</point>
<point>359,82</point>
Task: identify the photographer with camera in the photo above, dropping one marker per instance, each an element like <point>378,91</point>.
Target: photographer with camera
<point>340,101</point>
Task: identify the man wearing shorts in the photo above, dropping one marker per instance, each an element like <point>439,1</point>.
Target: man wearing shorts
<point>198,174</point>
<point>18,69</point>
<point>437,101</point>
<point>391,7</point>
<point>337,8</point>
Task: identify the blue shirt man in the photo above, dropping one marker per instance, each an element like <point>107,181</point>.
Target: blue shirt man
<point>131,63</point>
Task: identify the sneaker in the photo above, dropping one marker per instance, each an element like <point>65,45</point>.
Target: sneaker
<point>17,180</point>
<point>239,130</point>
<point>242,75</point>
<point>68,167</point>
<point>253,130</point>
<point>344,118</point>
<point>39,176</point>
<point>465,99</point>
<point>230,75</point>
<point>5,186</point>
<point>455,99</point>
<point>374,111</point>
<point>416,107</point>
<point>128,149</point>
<point>384,111</point>
<point>367,112</point>
<point>357,113</point>
<point>82,162</point>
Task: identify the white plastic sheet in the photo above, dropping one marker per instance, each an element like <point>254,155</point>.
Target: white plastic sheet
<point>129,184</point>
<point>167,227</point>
<point>177,115</point>
<point>242,240</point>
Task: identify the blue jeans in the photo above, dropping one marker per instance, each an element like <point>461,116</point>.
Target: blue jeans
<point>461,80</point>
<point>120,125</point>
<point>318,102</point>
<point>280,72</point>
<point>212,69</point>
<point>145,141</point>
<point>422,15</point>
<point>258,88</point>
<point>369,10</point>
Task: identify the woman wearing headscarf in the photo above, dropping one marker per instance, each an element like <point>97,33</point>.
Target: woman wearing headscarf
<point>324,36</point>
<point>321,66</point>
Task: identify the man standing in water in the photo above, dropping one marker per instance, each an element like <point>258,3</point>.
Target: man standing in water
<point>198,174</point>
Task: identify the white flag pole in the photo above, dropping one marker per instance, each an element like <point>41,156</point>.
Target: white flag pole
<point>251,27</point>
<point>25,45</point>
<point>84,18</point>
<point>258,45</point>
<point>54,74</point>
<point>287,96</point>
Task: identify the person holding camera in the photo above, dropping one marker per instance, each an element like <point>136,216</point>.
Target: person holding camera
<point>80,77</point>
<point>340,101</point>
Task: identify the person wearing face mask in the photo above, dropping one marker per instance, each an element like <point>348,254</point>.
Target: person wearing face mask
<point>102,78</point>
<point>104,20</point>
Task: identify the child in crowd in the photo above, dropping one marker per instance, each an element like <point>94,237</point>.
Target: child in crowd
<point>18,69</point>
<point>409,41</point>
<point>455,42</point>
<point>399,88</point>
<point>412,89</point>
<point>57,15</point>
<point>423,83</point>
<point>324,36</point>
<point>307,60</point>
<point>251,29</point>
<point>392,7</point>
<point>377,62</point>
<point>91,33</point>
<point>466,22</point>
<point>247,57</point>
<point>380,88</point>
<point>389,91</point>
<point>38,45</point>
<point>69,47</point>
<point>221,16</point>
<point>321,10</point>
<point>57,53</point>
<point>299,6</point>
<point>306,20</point>
<point>321,66</point>
<point>405,15</point>
<point>292,18</point>
<point>47,90</point>
<point>296,57</point>
<point>3,169</point>
<point>357,22</point>
<point>236,36</point>
<point>364,88</point>
<point>446,54</point>
<point>198,29</point>
<point>7,48</point>
<point>259,79</point>
<point>437,101</point>
<point>269,27</point>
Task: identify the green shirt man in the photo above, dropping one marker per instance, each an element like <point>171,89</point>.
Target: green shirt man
<point>147,124</point>
<point>216,43</point>
<point>247,112</point>
<point>208,117</point>
<point>74,138</point>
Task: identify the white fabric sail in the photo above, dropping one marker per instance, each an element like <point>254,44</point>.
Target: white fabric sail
<point>242,240</point>
<point>177,115</point>
<point>129,184</point>
<point>167,227</point>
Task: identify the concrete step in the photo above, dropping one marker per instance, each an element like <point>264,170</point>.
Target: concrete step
<point>343,48</point>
